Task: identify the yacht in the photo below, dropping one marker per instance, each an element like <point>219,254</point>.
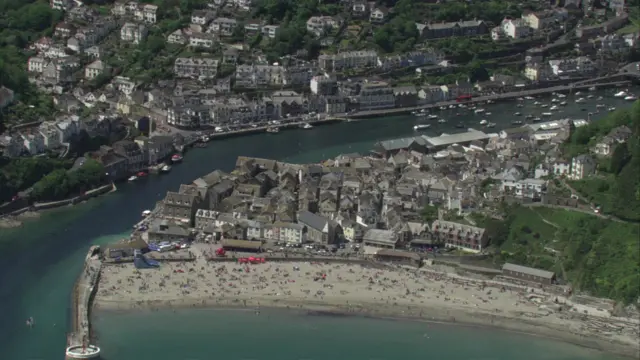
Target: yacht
<point>176,158</point>
<point>578,93</point>
<point>132,178</point>
<point>273,130</point>
<point>478,111</point>
<point>547,114</point>
<point>631,97</point>
<point>529,97</point>
<point>529,116</point>
<point>580,101</point>
<point>564,103</point>
<point>554,100</point>
<point>307,126</point>
<point>487,113</point>
<point>517,114</point>
<point>620,94</point>
<point>537,103</point>
<point>593,88</point>
<point>432,116</point>
<point>442,121</point>
<point>491,125</point>
<point>562,96</point>
<point>166,169</point>
<point>483,122</point>
<point>590,96</point>
<point>146,213</point>
<point>600,106</point>
<point>553,108</point>
<point>420,114</point>
<point>421,127</point>
<point>544,105</point>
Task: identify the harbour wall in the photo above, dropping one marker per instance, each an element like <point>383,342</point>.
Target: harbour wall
<point>83,292</point>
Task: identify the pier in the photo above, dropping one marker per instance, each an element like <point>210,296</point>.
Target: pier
<point>78,341</point>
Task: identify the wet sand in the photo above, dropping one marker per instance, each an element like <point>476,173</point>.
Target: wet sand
<point>364,291</point>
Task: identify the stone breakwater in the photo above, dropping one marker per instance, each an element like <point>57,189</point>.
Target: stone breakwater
<point>82,297</point>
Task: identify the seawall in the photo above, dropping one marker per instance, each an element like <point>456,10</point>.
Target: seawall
<point>81,298</point>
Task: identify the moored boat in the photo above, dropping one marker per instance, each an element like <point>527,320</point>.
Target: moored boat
<point>132,178</point>
<point>176,158</point>
<point>421,127</point>
<point>165,169</point>
<point>307,126</point>
<point>620,94</point>
<point>273,130</point>
<point>630,97</point>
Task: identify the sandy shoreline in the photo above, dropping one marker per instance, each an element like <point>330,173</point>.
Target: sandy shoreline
<point>395,293</point>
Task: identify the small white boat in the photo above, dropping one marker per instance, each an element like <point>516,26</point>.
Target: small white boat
<point>593,88</point>
<point>483,122</point>
<point>307,126</point>
<point>273,130</point>
<point>176,158</point>
<point>562,96</point>
<point>518,114</point>
<point>132,178</point>
<point>537,103</point>
<point>490,101</point>
<point>491,125</point>
<point>547,114</point>
<point>520,105</point>
<point>554,100</point>
<point>612,108</point>
<point>432,116</point>
<point>165,169</point>
<point>564,103</point>
<point>420,115</point>
<point>630,98</point>
<point>537,119</point>
<point>553,108</point>
<point>520,99</point>
<point>599,98</point>
<point>529,97</point>
<point>581,100</point>
<point>452,106</point>
<point>421,127</point>
<point>578,93</point>
<point>487,113</point>
<point>544,105</point>
<point>600,106</point>
<point>620,94</point>
<point>443,108</point>
<point>590,96</point>
<point>146,213</point>
<point>442,121</point>
<point>478,111</point>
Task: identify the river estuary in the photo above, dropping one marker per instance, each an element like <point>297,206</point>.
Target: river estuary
<point>40,261</point>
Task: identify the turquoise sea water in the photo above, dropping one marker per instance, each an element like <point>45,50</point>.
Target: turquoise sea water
<point>204,334</point>
<point>40,262</point>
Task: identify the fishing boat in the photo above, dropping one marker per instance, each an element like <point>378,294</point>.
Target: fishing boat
<point>146,213</point>
<point>132,178</point>
<point>578,93</point>
<point>593,88</point>
<point>421,127</point>
<point>487,113</point>
<point>165,169</point>
<point>491,125</point>
<point>307,126</point>
<point>620,94</point>
<point>529,97</point>
<point>176,158</point>
<point>273,130</point>
<point>631,98</point>
<point>562,96</point>
<point>544,105</point>
<point>590,96</point>
<point>483,122</point>
<point>564,103</point>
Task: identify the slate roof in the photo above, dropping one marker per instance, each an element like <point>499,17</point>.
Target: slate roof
<point>527,270</point>
<point>312,220</point>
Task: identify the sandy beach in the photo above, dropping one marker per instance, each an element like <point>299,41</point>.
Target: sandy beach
<point>417,294</point>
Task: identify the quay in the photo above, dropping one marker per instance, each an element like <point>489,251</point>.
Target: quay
<point>331,118</point>
<point>78,341</point>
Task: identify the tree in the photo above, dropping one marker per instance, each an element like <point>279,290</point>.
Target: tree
<point>619,158</point>
<point>429,213</point>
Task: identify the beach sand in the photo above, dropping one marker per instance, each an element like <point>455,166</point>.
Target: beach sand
<point>417,294</point>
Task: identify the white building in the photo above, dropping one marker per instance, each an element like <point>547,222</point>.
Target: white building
<point>561,168</point>
<point>582,166</point>
<point>199,40</point>
<point>252,76</point>
<point>223,26</point>
<point>290,233</point>
<point>36,64</point>
<point>511,28</point>
<point>376,95</point>
<point>525,188</point>
<point>270,30</point>
<point>348,60</point>
<point>95,69</point>
<point>319,24</point>
<point>580,66</point>
<point>134,33</point>
<point>146,13</point>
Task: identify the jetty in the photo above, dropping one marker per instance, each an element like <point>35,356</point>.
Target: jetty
<point>79,339</point>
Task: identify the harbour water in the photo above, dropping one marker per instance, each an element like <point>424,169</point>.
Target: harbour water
<point>40,261</point>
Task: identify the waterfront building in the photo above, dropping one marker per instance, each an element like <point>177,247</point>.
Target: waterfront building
<point>461,236</point>
<point>375,95</point>
<point>381,238</point>
<point>161,231</point>
<point>319,229</point>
